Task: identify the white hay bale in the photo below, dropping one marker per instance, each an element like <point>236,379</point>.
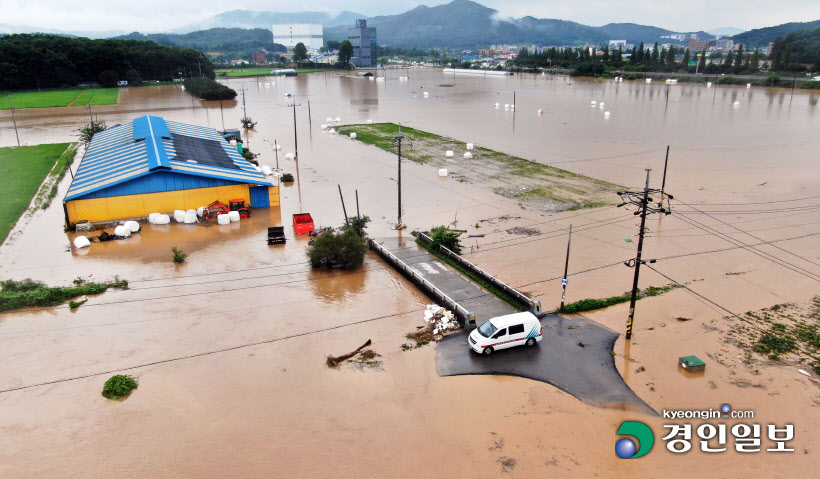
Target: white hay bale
<point>506,106</point>
<point>200,210</point>
<point>601,105</point>
<point>234,216</point>
<point>468,155</point>
<point>512,106</point>
<point>258,169</point>
<point>709,85</point>
<point>648,80</point>
<point>736,104</point>
<point>329,120</point>
<point>426,95</point>
<point>369,122</point>
<point>179,216</point>
<point>338,120</point>
<point>442,172</point>
<point>606,114</point>
<point>748,85</point>
<point>190,212</point>
<point>266,170</point>
<point>289,156</point>
<point>332,131</point>
<point>353,135</point>
<point>540,111</point>
<point>133,226</point>
<point>324,126</point>
<point>470,146</point>
<point>122,231</point>
<point>277,146</point>
<point>81,242</point>
<point>190,217</point>
<point>223,219</point>
<point>163,220</point>
<point>448,153</point>
<point>152,218</point>
<point>497,105</point>
<point>593,102</point>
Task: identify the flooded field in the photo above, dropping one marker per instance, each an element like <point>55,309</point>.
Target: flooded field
<point>229,348</point>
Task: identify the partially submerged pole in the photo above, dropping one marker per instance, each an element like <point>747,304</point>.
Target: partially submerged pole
<point>14,119</point>
<point>343,204</point>
<point>566,270</point>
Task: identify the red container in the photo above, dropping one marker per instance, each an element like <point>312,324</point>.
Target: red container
<point>302,223</point>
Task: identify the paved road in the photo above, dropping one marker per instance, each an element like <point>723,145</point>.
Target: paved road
<point>467,293</point>
<point>587,372</point>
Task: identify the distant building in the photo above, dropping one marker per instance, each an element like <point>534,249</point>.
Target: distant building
<point>696,46</point>
<point>364,44</point>
<point>290,35</point>
<point>724,44</point>
<point>258,58</point>
<point>614,44</point>
<point>681,37</point>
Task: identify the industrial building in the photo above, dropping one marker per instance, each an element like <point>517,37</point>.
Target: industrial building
<point>364,44</point>
<point>290,35</point>
<point>153,165</point>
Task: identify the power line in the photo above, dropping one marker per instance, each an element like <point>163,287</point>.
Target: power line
<point>704,298</point>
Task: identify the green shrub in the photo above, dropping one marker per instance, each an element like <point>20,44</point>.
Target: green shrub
<point>358,224</point>
<point>444,236</point>
<point>345,250</point>
<point>76,304</point>
<point>118,387</point>
<point>179,256</point>
<point>592,304</point>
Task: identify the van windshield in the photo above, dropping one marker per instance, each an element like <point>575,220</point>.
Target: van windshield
<point>487,329</point>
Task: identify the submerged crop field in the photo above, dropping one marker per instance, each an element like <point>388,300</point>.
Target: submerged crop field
<point>530,182</point>
<point>58,98</point>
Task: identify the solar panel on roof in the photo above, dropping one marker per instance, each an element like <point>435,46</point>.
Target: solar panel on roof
<point>207,152</point>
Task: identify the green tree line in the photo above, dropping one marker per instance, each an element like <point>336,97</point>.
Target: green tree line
<point>53,61</point>
<point>801,47</point>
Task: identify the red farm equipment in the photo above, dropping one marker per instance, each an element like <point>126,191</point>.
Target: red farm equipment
<point>303,223</point>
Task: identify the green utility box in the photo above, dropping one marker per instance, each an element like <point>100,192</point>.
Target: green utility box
<point>692,364</point>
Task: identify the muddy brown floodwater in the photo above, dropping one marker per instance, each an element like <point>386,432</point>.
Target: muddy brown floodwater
<point>229,348</point>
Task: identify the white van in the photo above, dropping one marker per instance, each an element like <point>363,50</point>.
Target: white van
<point>505,332</point>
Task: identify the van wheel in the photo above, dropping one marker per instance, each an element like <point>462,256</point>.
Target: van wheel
<point>530,342</point>
<point>488,351</point>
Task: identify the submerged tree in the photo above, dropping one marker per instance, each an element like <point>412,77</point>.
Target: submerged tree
<point>87,132</point>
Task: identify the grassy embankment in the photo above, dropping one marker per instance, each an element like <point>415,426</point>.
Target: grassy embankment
<point>28,293</point>
<point>593,304</point>
<point>255,72</point>
<point>549,183</point>
<point>22,171</point>
<point>56,98</point>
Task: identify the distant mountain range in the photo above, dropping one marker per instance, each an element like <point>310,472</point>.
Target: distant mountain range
<point>460,24</point>
<point>760,37</point>
<point>253,19</point>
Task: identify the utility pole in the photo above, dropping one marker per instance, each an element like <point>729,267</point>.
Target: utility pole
<point>358,215</point>
<point>397,140</point>
<point>310,121</point>
<point>14,119</point>
<point>90,114</point>
<point>343,205</point>
<point>221,112</point>
<point>642,201</point>
<point>295,140</point>
<point>663,183</point>
<point>276,150</point>
<point>566,269</point>
<point>794,82</point>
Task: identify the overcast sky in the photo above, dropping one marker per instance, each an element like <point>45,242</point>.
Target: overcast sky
<point>159,15</point>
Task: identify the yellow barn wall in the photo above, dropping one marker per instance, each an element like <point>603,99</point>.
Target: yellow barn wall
<point>138,206</point>
<point>273,195</point>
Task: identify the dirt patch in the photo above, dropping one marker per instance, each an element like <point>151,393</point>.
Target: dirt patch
<point>507,463</point>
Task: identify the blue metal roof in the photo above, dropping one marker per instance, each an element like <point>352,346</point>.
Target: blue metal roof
<point>144,147</point>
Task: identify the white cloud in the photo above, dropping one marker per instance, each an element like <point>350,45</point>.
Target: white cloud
<point>159,15</point>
